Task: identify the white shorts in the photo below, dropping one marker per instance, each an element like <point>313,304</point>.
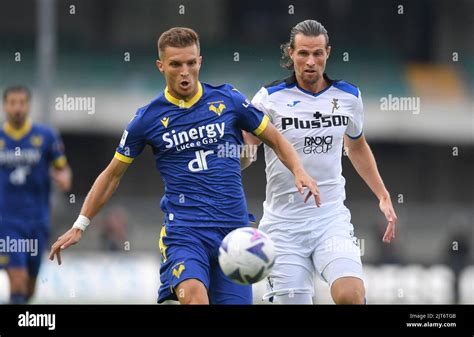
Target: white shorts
<point>325,245</point>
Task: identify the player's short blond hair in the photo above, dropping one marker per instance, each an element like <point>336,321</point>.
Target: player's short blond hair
<point>178,37</point>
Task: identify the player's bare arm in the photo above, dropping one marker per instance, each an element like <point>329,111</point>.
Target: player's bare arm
<point>288,156</point>
<point>62,177</point>
<point>246,158</point>
<point>245,161</point>
<point>100,193</point>
<point>364,162</point>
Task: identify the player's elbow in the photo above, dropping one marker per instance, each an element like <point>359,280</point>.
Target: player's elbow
<point>62,178</point>
<point>108,179</point>
<point>250,139</point>
<point>65,185</point>
<point>353,146</point>
<point>110,176</point>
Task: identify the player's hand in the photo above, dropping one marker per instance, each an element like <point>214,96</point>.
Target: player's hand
<point>387,209</point>
<point>71,237</point>
<point>303,180</point>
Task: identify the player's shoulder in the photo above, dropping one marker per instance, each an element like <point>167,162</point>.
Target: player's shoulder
<point>157,106</point>
<point>43,129</point>
<point>279,85</point>
<point>346,87</point>
<point>225,89</point>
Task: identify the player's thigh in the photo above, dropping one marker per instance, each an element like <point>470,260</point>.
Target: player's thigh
<point>183,258</point>
<point>192,291</point>
<point>291,274</point>
<point>338,242</point>
<point>223,290</point>
<point>15,261</point>
<point>336,257</point>
<point>38,245</point>
<point>298,240</point>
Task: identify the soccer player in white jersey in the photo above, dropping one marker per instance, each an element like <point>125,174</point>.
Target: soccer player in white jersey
<point>318,116</point>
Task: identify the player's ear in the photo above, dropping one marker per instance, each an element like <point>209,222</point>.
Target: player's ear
<point>290,52</point>
<point>200,61</point>
<point>328,51</point>
<point>159,65</point>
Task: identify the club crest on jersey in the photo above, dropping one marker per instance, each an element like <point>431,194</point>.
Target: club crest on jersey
<point>178,270</point>
<point>2,144</point>
<point>36,141</point>
<point>165,121</point>
<point>217,108</point>
<point>335,106</point>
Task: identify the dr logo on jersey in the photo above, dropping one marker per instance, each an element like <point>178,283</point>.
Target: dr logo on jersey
<point>200,163</point>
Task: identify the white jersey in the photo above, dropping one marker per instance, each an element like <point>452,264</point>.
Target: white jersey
<point>315,125</point>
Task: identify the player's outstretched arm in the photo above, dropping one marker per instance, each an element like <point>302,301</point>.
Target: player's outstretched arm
<point>288,156</point>
<point>364,162</point>
<point>101,191</point>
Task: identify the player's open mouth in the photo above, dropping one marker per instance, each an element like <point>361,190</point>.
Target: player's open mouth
<point>309,71</point>
<point>184,84</point>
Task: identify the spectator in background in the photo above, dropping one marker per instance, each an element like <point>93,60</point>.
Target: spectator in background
<point>458,248</point>
<point>113,231</point>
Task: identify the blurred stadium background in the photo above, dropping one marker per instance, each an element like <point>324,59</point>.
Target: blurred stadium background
<point>106,50</point>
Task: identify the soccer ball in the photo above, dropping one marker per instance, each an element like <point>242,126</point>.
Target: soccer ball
<point>246,255</point>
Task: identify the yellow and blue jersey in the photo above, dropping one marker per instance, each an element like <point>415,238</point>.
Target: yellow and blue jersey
<point>26,155</point>
<point>196,148</point>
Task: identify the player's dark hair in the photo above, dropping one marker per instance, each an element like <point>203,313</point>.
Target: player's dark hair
<point>307,28</point>
<point>16,88</point>
<point>178,37</point>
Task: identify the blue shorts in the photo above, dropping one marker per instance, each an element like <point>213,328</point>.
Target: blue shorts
<point>22,248</point>
<point>192,253</point>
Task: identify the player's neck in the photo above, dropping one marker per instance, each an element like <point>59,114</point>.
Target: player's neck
<point>184,98</point>
<point>320,85</point>
<point>17,125</point>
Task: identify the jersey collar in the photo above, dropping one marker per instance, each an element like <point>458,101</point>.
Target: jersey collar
<point>17,134</point>
<point>182,103</point>
<point>325,76</point>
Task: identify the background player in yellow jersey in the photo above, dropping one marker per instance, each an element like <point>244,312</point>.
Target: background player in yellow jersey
<point>31,155</point>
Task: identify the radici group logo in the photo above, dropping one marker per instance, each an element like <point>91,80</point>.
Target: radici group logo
<point>317,145</point>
